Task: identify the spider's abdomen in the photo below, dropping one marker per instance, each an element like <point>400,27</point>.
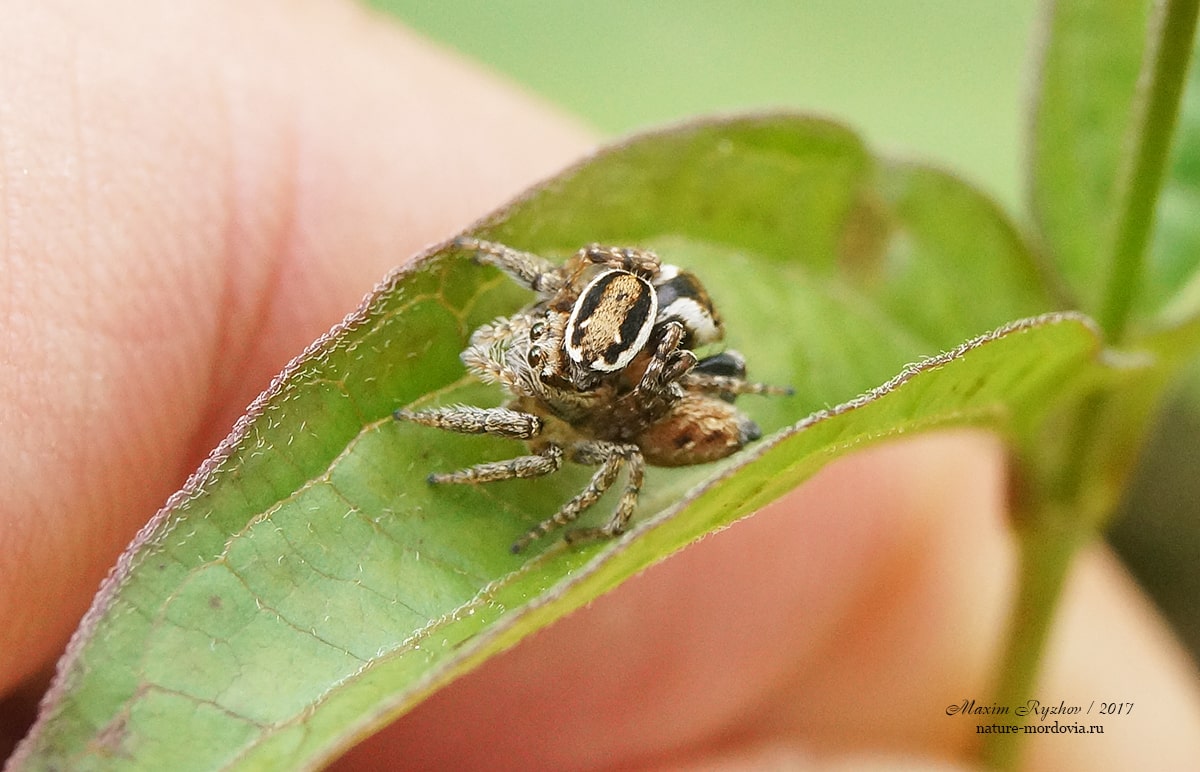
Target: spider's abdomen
<point>611,321</point>
<point>698,429</point>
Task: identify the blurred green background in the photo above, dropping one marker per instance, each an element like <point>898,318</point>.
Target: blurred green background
<point>934,79</point>
<point>944,81</point>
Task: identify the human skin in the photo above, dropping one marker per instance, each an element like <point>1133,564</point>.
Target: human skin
<point>193,191</point>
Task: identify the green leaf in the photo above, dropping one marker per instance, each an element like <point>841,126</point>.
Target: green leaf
<point>307,585</point>
<point>1173,281</point>
<point>1113,201</point>
<point>1083,112</point>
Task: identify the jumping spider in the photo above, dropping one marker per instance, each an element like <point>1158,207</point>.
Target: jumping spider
<point>600,371</point>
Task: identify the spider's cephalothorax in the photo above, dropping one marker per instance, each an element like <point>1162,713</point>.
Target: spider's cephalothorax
<point>600,371</point>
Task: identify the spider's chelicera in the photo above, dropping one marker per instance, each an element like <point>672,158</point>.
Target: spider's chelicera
<point>600,370</point>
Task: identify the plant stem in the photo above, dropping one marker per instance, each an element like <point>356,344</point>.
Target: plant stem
<point>1164,73</point>
<point>1070,498</point>
<point>1046,554</point>
<point>1063,508</point>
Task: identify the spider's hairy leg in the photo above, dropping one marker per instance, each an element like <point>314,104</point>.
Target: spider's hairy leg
<point>669,363</point>
<point>642,262</point>
<point>466,419</point>
<point>730,385</point>
<point>724,374</point>
<point>527,269</point>
<point>547,461</point>
<point>636,465</point>
<point>639,261</point>
<point>611,457</point>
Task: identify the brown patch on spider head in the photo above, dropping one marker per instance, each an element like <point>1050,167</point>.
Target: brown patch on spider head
<point>611,321</point>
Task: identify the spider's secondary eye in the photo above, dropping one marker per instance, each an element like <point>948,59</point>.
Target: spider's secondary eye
<point>611,321</point>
